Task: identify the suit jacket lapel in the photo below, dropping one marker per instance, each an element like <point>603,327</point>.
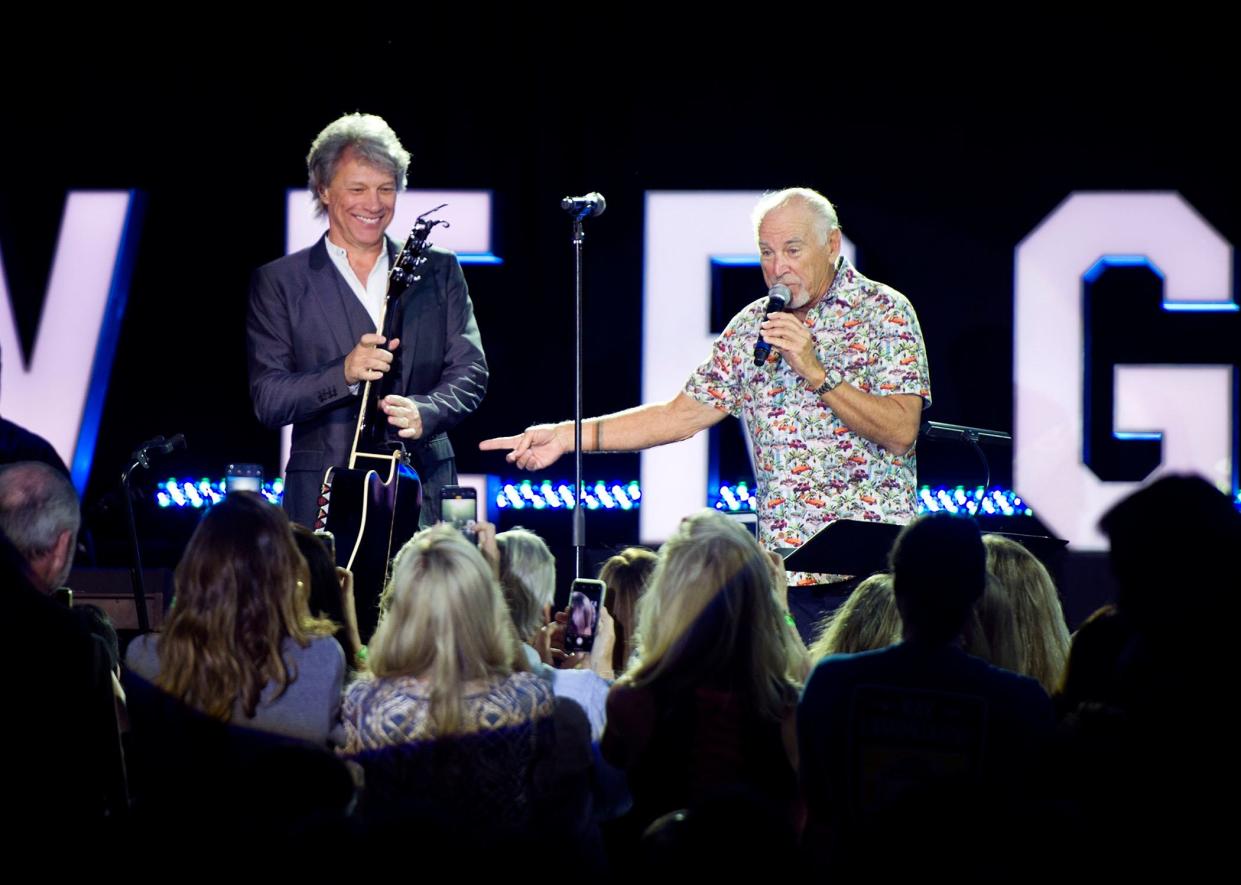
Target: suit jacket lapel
<point>337,300</point>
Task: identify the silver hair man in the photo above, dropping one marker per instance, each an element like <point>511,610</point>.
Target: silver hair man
<point>821,208</point>
<point>40,514</point>
<point>371,139</point>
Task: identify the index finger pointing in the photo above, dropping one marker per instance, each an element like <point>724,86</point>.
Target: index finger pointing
<point>499,443</point>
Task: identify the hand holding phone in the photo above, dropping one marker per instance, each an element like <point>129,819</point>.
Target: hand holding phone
<point>459,508</point>
<point>585,600</point>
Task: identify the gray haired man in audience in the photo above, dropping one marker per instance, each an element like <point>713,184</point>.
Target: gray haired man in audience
<point>40,514</point>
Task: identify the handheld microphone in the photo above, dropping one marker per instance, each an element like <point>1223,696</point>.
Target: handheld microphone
<point>777,297</point>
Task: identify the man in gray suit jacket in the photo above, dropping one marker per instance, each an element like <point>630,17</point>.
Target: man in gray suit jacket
<point>312,325</point>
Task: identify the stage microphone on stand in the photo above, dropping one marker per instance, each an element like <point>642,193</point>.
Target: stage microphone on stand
<point>592,204</point>
<point>777,297</point>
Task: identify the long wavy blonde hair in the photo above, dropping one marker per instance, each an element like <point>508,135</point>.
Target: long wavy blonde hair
<point>444,620</point>
<point>1033,638</point>
<point>241,590</point>
<point>867,619</point>
<point>710,617</point>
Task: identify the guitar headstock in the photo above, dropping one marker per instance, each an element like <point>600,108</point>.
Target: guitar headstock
<point>413,253</point>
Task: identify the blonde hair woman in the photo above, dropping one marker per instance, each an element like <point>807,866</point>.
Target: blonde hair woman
<point>1034,640</point>
<point>708,703</point>
<point>445,656</point>
<point>452,726</point>
<point>866,619</point>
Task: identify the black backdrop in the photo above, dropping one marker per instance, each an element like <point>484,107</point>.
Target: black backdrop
<point>941,157</point>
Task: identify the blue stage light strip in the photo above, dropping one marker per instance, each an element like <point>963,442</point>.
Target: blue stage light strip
<point>180,493</point>
<point>548,495</point>
<point>958,499</point>
<point>617,496</point>
<point>735,498</point>
<point>975,502</point>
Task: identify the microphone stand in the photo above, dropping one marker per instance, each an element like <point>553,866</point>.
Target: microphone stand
<point>579,208</point>
<point>135,554</point>
<point>579,516</point>
<point>141,458</point>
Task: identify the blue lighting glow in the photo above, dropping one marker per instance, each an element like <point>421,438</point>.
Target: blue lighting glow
<point>1142,261</point>
<point>742,260</point>
<point>976,502</point>
<point>105,346</point>
<point>951,499</point>
<point>548,495</point>
<point>734,498</point>
<point>180,493</point>
<point>1107,261</point>
<point>479,258</point>
<point>1202,305</point>
<point>617,496</point>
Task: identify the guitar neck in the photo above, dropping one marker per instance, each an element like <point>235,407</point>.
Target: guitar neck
<point>371,420</point>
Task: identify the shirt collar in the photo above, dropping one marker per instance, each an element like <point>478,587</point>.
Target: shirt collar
<point>341,252</point>
<point>841,283</point>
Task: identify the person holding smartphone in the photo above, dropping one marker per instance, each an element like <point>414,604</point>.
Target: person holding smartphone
<point>527,573</point>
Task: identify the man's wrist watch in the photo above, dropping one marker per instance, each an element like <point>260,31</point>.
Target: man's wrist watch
<point>832,379</point>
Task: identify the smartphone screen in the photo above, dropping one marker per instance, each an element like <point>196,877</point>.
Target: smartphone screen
<point>329,541</point>
<point>244,478</point>
<point>459,508</point>
<point>585,596</point>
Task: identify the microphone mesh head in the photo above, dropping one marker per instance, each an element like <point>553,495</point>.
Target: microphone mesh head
<point>777,297</point>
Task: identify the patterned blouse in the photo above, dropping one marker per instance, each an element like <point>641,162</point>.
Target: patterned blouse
<point>811,468</point>
<point>388,712</point>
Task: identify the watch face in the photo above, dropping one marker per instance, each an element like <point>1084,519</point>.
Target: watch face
<point>831,381</point>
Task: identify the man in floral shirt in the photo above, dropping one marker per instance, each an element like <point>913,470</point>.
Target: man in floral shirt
<point>834,411</point>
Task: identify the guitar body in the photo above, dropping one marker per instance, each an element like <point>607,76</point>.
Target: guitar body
<point>371,510</point>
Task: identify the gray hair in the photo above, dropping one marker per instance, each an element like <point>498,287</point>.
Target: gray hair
<point>373,140</point>
<point>37,504</point>
<point>527,577</point>
<point>825,220</point>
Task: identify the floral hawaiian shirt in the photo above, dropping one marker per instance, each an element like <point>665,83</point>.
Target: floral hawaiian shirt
<point>811,468</point>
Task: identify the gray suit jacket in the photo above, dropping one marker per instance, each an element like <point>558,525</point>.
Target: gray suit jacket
<point>303,320</point>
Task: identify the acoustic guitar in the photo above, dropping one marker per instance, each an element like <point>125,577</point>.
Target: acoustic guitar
<point>372,505</point>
